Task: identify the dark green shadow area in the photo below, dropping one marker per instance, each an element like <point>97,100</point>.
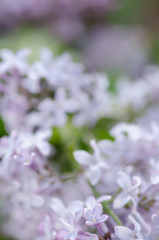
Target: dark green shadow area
<point>2,128</point>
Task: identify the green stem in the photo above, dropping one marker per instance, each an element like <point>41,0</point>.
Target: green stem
<point>107,207</point>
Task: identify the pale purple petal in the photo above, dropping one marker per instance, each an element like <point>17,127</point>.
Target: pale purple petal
<point>98,210</point>
<point>82,157</point>
<point>104,198</point>
<point>123,233</point>
<point>121,200</point>
<point>90,202</point>
<point>103,218</point>
<point>124,181</point>
<point>89,215</point>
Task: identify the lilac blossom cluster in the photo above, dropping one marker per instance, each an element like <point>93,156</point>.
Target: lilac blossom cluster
<point>114,195</point>
<point>51,90</point>
<point>122,174</point>
<point>127,169</point>
<point>139,98</point>
<point>45,93</point>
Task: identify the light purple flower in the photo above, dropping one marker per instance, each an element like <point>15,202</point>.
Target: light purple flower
<point>125,233</point>
<point>95,216</point>
<point>70,225</point>
<point>95,164</point>
<point>129,190</point>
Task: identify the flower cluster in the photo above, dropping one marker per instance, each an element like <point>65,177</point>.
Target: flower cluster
<point>113,193</point>
<point>44,93</point>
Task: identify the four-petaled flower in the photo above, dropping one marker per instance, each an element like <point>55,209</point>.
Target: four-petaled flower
<point>95,216</point>
<point>125,233</point>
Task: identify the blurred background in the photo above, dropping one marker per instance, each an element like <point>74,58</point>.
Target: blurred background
<point>115,36</point>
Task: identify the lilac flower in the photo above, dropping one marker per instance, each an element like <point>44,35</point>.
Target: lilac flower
<point>69,225</point>
<point>94,163</point>
<point>125,233</point>
<point>58,81</point>
<point>12,61</point>
<point>129,190</point>
<point>57,110</point>
<point>34,194</point>
<point>95,216</point>
<point>74,207</point>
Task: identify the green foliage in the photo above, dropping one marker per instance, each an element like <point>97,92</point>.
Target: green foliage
<point>2,128</point>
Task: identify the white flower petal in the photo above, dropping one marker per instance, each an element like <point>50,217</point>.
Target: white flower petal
<point>124,181</point>
<point>123,233</point>
<point>83,157</point>
<point>104,198</point>
<point>121,200</point>
<point>90,202</point>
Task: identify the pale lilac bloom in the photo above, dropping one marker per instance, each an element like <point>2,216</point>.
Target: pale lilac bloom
<point>95,216</point>
<point>130,98</point>
<point>73,91</point>
<point>69,216</point>
<point>125,233</point>
<point>70,225</point>
<point>134,144</point>
<point>11,61</point>
<point>58,108</point>
<point>95,164</point>
<point>95,101</point>
<point>13,109</point>
<point>38,140</point>
<point>58,207</point>
<point>129,189</point>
